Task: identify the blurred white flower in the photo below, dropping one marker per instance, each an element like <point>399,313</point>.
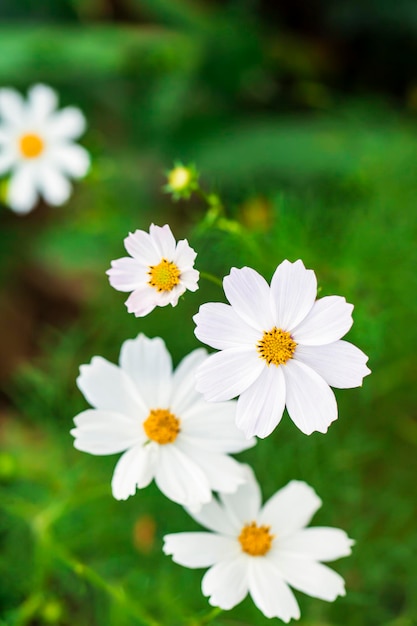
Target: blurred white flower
<point>158,271</point>
<point>279,347</point>
<point>165,428</point>
<point>262,550</point>
<point>36,147</point>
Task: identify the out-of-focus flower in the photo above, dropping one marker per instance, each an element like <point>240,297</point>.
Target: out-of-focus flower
<point>263,550</point>
<point>158,271</point>
<point>279,346</point>
<point>36,147</point>
<point>182,181</point>
<point>165,428</point>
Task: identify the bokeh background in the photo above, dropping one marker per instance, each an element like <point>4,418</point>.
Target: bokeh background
<point>302,115</point>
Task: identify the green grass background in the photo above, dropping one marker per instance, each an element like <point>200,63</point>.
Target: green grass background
<point>310,173</point>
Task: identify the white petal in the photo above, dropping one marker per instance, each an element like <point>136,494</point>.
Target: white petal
<point>223,473</point>
<point>142,301</point>
<point>329,319</point>
<point>260,407</point>
<point>226,374</point>
<point>213,516</point>
<point>290,509</point>
<point>148,364</point>
<point>180,479</point>
<point>135,468</point>
<point>249,294</point>
<point>314,579</point>
<point>171,297</point>
<point>71,159</point>
<point>7,159</point>
<point>126,274</point>
<point>141,246</point>
<point>269,591</point>
<point>184,393</point>
<point>219,326</point>
<point>317,544</point>
<point>12,107</point>
<point>243,506</point>
<point>54,187</point>
<point>189,278</point>
<point>199,549</point>
<point>42,102</point>
<point>105,386</point>
<point>213,425</point>
<point>310,402</point>
<point>293,292</point>
<point>6,135</point>
<point>68,123</point>
<point>22,196</point>
<point>163,240</point>
<point>340,364</point>
<point>226,583</point>
<point>104,432</point>
<point>184,256</point>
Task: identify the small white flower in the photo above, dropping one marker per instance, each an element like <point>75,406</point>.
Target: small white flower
<point>262,550</point>
<point>36,146</point>
<point>158,271</point>
<point>164,427</point>
<point>279,347</point>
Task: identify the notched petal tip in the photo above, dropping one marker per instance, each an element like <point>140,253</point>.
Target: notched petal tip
<point>306,430</point>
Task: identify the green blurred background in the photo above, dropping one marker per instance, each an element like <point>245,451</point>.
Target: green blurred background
<point>302,115</point>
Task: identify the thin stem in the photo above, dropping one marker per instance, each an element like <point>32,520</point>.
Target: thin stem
<point>116,593</point>
<point>212,199</point>
<point>27,610</point>
<point>211,616</point>
<point>212,278</point>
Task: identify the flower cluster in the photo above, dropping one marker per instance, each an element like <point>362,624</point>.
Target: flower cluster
<point>277,347</point>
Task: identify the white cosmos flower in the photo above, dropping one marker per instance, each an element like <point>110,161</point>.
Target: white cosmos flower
<point>279,347</point>
<point>166,430</point>
<point>262,550</point>
<point>36,147</point>
<point>158,271</point>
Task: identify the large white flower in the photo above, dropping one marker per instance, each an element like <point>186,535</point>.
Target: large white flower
<point>158,271</point>
<point>165,428</point>
<point>263,550</point>
<point>279,346</point>
<point>36,146</point>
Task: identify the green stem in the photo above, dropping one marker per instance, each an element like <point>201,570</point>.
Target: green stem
<point>212,278</point>
<point>40,524</point>
<point>212,199</point>
<point>116,593</point>
<point>27,610</point>
<point>211,616</point>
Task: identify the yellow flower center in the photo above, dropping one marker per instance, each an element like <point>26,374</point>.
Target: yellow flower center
<point>256,540</point>
<point>276,346</point>
<point>31,145</point>
<point>164,276</point>
<point>178,178</point>
<point>162,426</point>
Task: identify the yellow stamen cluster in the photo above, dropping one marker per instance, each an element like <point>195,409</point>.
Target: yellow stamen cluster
<point>255,540</point>
<point>161,426</point>
<point>31,145</point>
<point>164,276</point>
<point>276,346</point>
